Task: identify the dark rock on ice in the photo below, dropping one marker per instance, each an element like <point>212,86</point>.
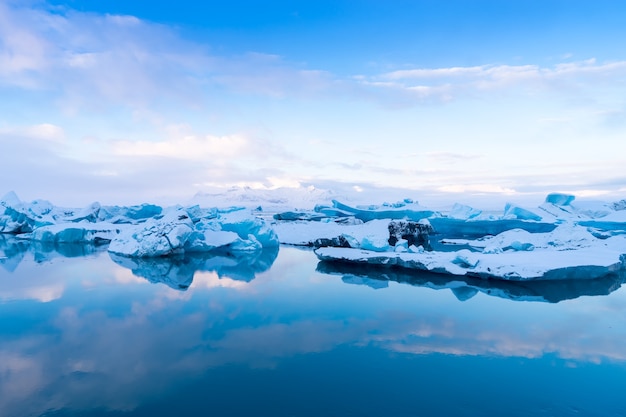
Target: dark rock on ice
<point>335,242</point>
<point>416,234</point>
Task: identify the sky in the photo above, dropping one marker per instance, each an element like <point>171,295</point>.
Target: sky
<point>128,102</point>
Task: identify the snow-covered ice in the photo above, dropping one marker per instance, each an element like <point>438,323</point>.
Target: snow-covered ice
<point>558,240</point>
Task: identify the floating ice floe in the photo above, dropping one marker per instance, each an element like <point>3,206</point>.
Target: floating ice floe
<point>591,261</point>
<point>558,240</point>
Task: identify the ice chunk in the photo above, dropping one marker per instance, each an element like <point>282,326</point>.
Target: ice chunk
<point>84,232</point>
<point>375,243</point>
<point>465,259</point>
<point>410,211</point>
<point>559,199</point>
<point>512,211</point>
<point>244,224</point>
<point>89,213</point>
<point>156,237</point>
<point>332,211</point>
<point>130,214</point>
<point>515,239</point>
<point>416,249</point>
<point>463,212</point>
<point>454,228</point>
<point>19,217</point>
<point>175,232</point>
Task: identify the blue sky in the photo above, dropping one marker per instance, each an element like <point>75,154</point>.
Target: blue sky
<point>124,102</point>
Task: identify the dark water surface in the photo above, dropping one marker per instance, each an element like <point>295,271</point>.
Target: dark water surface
<point>276,334</point>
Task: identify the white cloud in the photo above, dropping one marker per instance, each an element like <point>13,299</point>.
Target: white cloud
<point>445,84</point>
<point>88,58</point>
<point>476,188</point>
<point>91,60</point>
<point>42,131</point>
<point>187,147</point>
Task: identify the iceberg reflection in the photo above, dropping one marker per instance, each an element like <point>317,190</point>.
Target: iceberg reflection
<point>465,288</point>
<point>177,272</point>
<point>13,250</point>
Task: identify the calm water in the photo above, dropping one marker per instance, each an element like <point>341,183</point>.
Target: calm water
<point>280,335</point>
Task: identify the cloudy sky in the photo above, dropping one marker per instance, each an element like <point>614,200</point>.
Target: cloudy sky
<point>125,102</point>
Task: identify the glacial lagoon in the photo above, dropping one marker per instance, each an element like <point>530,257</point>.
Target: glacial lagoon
<point>85,333</point>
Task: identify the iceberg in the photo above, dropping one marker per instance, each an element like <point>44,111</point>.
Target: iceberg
<point>559,199</point>
<point>463,212</point>
<point>144,230</point>
<point>83,232</point>
<point>512,211</point>
<point>407,209</point>
<point>175,233</point>
<point>17,216</point>
<point>128,215</point>
<point>156,237</point>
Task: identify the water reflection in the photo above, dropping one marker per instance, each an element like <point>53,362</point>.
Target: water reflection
<point>177,272</point>
<point>108,340</point>
<point>465,288</point>
<point>13,250</point>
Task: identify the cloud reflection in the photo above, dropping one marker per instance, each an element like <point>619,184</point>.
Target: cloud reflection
<point>120,347</point>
